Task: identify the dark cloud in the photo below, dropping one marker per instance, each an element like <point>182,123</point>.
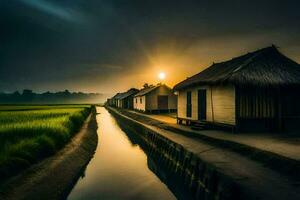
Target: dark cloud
<point>80,44</point>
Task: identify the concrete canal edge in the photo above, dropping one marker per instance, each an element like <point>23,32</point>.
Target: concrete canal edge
<point>54,177</point>
<point>202,179</point>
<point>282,164</point>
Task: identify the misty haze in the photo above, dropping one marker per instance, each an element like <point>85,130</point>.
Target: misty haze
<point>149,99</point>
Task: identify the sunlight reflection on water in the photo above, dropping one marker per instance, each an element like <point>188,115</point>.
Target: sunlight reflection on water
<point>119,169</point>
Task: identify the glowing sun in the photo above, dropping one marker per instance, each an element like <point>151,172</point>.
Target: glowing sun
<point>161,75</point>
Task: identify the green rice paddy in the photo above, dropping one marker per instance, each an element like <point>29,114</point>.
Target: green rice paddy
<point>31,133</point>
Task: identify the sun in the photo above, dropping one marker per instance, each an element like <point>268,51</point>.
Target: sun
<point>161,75</point>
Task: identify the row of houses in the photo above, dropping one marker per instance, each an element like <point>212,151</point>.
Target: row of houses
<point>256,91</point>
<point>158,98</point>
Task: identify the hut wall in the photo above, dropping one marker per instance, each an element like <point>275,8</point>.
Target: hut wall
<point>138,105</point>
<point>181,104</point>
<point>220,104</point>
<point>151,98</point>
<point>124,103</point>
<point>257,103</point>
<point>268,109</point>
<point>129,102</point>
<point>257,109</point>
<point>290,107</point>
<point>119,103</point>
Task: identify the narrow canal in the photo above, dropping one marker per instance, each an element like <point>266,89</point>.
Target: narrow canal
<point>119,169</point>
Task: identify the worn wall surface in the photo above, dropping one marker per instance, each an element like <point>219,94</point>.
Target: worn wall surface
<point>151,101</point>
<point>138,105</point>
<point>220,103</point>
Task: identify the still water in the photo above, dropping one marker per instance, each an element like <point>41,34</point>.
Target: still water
<point>119,169</point>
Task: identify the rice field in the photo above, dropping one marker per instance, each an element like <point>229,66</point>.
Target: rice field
<point>31,133</point>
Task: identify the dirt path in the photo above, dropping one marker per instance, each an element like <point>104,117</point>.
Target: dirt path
<point>54,177</point>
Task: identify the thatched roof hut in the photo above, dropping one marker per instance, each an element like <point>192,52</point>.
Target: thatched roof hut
<point>113,100</point>
<point>264,67</point>
<point>258,89</point>
<point>125,99</point>
<point>158,98</point>
<point>147,90</point>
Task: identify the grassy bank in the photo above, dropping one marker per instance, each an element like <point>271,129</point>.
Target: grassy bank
<point>31,133</point>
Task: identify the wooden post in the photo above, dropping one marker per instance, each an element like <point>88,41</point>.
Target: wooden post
<point>212,104</point>
<point>237,108</point>
<point>279,109</point>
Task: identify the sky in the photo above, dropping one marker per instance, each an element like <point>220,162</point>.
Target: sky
<point>108,46</point>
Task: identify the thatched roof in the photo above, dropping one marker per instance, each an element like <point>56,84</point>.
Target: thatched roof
<point>264,67</point>
<point>146,90</point>
<point>116,95</point>
<point>130,92</point>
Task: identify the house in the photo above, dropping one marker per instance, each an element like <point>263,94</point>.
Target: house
<point>125,100</point>
<point>117,100</point>
<point>109,102</point>
<point>159,98</point>
<point>113,100</point>
<point>258,91</point>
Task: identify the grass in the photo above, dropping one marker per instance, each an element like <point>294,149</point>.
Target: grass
<point>20,107</point>
<point>31,133</point>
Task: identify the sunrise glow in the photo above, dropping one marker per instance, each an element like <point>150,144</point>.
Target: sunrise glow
<point>161,76</point>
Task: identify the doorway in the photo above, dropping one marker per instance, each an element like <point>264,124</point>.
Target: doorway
<point>162,102</point>
<point>189,104</point>
<point>201,104</point>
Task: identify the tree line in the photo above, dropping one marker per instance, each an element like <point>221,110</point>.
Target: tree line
<point>28,96</point>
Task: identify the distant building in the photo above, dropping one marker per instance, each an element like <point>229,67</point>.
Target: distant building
<point>113,100</point>
<point>117,100</point>
<point>125,100</point>
<point>109,102</point>
<point>159,98</point>
<point>256,91</point>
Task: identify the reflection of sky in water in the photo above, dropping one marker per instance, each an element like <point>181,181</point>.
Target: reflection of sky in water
<point>118,170</point>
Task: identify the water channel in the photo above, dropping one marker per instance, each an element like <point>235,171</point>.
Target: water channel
<point>120,168</point>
